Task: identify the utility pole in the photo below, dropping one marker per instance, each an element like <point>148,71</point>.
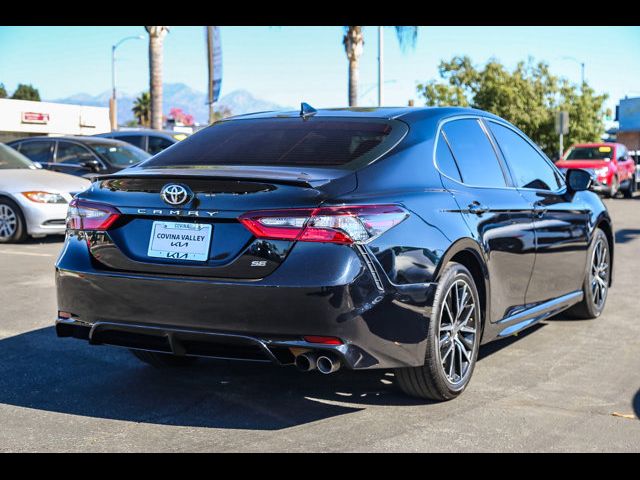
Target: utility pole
<point>210,68</point>
<point>380,62</point>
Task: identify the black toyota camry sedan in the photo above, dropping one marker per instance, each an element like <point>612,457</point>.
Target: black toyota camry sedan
<point>396,238</point>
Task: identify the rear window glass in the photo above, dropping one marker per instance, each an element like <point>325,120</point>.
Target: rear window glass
<point>284,141</point>
<point>590,153</point>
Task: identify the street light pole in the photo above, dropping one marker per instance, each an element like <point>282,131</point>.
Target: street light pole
<point>113,102</point>
<point>380,61</point>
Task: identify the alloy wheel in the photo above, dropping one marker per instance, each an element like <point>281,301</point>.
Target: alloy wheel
<point>458,328</point>
<point>8,221</point>
<point>599,274</point>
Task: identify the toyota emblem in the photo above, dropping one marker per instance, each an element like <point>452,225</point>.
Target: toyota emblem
<point>175,194</point>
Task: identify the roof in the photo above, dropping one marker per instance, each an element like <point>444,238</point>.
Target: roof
<point>76,138</point>
<point>406,113</point>
<point>138,131</point>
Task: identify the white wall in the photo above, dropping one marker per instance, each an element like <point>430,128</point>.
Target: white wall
<point>63,119</point>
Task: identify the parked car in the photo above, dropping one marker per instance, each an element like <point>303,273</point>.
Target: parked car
<point>610,165</point>
<point>82,156</point>
<point>33,201</point>
<point>349,238</point>
<point>152,141</point>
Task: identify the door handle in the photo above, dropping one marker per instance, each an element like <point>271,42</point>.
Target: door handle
<point>477,209</point>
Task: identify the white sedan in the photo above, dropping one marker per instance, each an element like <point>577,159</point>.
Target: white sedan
<point>33,201</point>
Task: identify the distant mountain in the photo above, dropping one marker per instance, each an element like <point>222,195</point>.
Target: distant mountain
<point>179,95</point>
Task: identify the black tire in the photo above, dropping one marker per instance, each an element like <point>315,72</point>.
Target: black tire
<point>430,381</point>
<point>590,307</point>
<point>163,360</point>
<point>628,192</point>
<point>13,228</point>
<point>614,188</point>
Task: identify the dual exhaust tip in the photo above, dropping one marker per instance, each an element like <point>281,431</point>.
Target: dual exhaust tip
<point>325,363</point>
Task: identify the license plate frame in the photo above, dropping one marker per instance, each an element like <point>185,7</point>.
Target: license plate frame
<point>180,241</point>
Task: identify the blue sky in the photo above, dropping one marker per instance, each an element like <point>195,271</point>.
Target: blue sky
<point>289,64</point>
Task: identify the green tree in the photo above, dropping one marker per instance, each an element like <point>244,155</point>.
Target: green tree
<point>353,41</point>
<point>142,109</point>
<point>221,113</point>
<point>26,92</point>
<point>528,96</point>
<point>3,91</point>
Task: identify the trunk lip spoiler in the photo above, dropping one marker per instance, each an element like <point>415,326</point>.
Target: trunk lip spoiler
<point>303,180</point>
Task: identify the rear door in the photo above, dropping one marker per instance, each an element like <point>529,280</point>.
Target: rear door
<point>498,216</point>
<point>626,165</point>
<point>40,151</point>
<point>561,220</point>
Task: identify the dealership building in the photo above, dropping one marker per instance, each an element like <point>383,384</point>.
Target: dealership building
<point>628,116</point>
<point>22,118</point>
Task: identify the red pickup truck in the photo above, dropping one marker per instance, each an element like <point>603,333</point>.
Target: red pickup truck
<point>610,164</point>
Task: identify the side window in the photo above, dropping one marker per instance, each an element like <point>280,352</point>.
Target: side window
<point>474,154</point>
<point>621,153</point>
<point>529,168</point>
<point>444,159</point>
<point>157,144</point>
<point>72,153</point>
<point>135,140</point>
<point>37,151</point>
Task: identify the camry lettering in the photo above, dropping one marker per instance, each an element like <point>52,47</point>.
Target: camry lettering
<point>177,213</point>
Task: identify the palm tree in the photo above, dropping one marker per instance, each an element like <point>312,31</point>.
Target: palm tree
<point>141,109</point>
<point>354,44</point>
<point>156,37</point>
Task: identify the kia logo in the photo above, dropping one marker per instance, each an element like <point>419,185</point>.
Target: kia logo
<point>175,194</point>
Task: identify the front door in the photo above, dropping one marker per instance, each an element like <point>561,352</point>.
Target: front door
<point>560,219</point>
<point>497,215</point>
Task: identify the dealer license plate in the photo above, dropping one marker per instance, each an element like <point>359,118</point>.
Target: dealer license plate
<point>180,241</point>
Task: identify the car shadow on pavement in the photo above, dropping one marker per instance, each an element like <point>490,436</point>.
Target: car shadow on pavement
<point>42,240</point>
<point>627,234</point>
<point>40,371</point>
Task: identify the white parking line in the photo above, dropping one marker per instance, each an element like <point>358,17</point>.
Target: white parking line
<point>33,254</point>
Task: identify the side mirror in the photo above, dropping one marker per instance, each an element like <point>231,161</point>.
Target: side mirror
<point>38,165</point>
<point>578,180</point>
<point>91,164</point>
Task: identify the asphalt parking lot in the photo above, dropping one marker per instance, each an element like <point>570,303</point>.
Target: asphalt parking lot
<point>565,385</point>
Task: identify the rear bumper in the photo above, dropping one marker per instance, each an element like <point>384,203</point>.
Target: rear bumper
<point>380,327</point>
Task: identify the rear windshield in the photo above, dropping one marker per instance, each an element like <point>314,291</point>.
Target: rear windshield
<point>314,142</point>
<point>590,153</point>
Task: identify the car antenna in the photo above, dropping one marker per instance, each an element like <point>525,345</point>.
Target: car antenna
<point>307,110</point>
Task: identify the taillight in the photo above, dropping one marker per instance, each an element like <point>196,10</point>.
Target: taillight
<point>84,215</point>
<point>342,225</point>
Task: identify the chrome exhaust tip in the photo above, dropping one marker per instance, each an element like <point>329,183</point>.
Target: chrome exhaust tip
<point>327,364</point>
<point>306,362</point>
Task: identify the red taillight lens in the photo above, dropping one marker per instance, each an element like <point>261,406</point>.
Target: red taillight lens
<point>322,340</point>
<point>342,225</point>
<point>84,215</point>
